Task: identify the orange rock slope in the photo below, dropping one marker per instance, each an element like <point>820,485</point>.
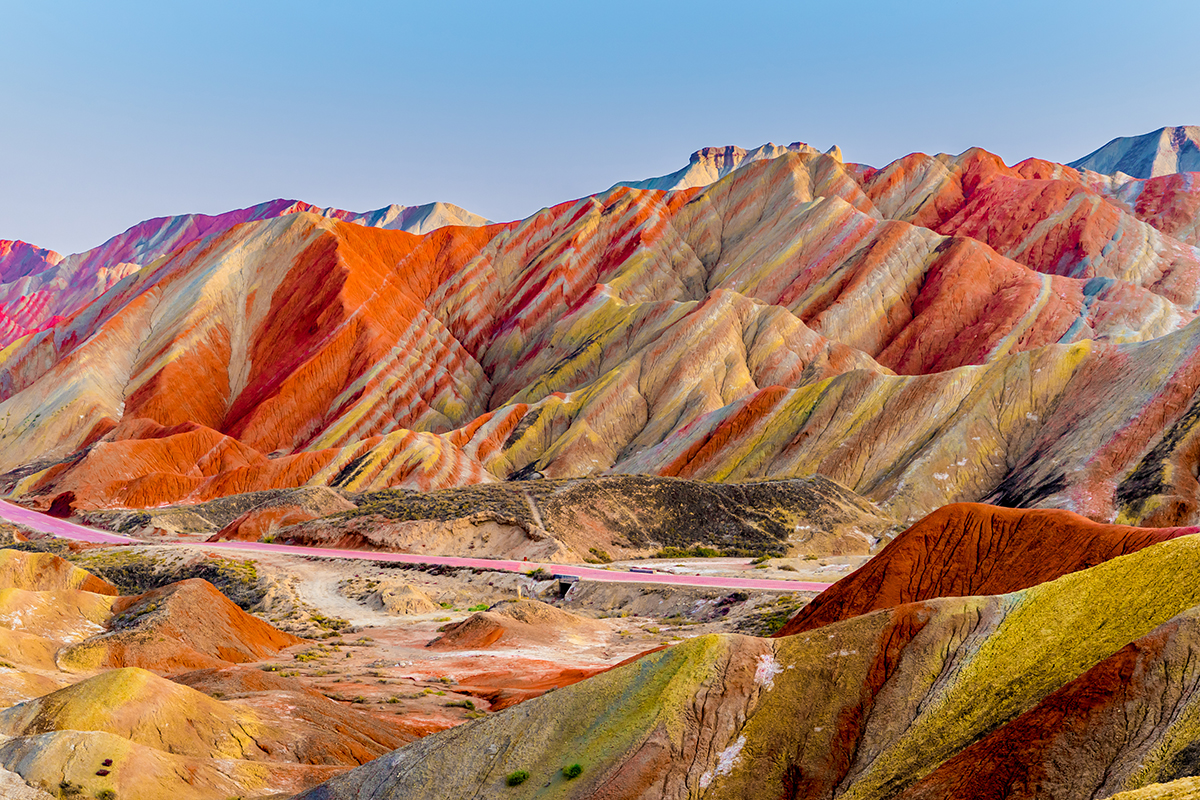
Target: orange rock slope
<point>974,549</point>
<point>942,329</point>
<point>39,287</point>
<point>186,625</point>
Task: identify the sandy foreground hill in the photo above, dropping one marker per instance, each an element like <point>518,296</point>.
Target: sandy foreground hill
<point>159,686</point>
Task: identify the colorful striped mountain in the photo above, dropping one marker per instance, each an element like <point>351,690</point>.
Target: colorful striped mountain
<point>942,329</point>
<point>979,381</point>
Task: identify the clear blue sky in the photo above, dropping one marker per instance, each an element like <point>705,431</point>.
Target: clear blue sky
<point>116,112</point>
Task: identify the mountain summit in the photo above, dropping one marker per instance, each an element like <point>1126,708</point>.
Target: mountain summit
<point>709,164</point>
<point>1161,152</point>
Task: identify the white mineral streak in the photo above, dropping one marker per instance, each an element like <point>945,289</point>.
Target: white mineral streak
<point>768,668</point>
<point>725,762</point>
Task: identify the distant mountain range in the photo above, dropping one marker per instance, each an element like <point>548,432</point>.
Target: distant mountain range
<point>1161,152</point>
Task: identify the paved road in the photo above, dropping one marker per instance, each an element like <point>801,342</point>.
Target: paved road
<point>59,527</point>
<point>71,530</point>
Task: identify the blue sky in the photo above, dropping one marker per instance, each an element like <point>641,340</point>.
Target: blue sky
<point>112,113</point>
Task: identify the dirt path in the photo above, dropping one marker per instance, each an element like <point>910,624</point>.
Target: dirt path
<point>316,584</point>
<point>319,589</point>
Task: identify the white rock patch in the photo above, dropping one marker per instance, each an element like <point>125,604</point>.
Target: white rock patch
<point>725,762</point>
<point>767,669</point>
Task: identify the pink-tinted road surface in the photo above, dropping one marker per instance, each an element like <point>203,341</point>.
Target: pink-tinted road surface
<point>82,533</point>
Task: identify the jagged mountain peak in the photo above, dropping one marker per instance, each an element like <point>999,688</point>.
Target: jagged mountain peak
<point>1161,152</point>
<point>710,164</point>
